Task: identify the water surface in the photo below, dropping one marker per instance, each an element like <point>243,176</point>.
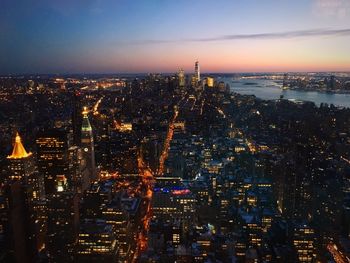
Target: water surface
<point>271,90</point>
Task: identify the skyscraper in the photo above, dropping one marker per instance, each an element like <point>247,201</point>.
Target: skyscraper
<point>304,243</point>
<point>24,219</point>
<point>60,168</point>
<point>197,71</point>
<point>21,162</point>
<point>52,156</point>
<point>80,180</point>
<point>97,242</point>
<point>62,225</point>
<point>181,75</point>
<point>210,82</point>
<point>87,144</point>
<point>77,117</point>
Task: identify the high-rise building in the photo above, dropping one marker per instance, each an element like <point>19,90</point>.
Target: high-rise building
<point>119,219</point>
<point>21,163</point>
<point>62,228</point>
<point>210,82</point>
<point>52,157</point>
<point>24,219</point>
<point>123,152</point>
<point>61,168</point>
<point>80,180</point>
<point>197,71</point>
<point>181,76</point>
<point>77,117</point>
<point>87,144</point>
<point>304,243</point>
<point>97,242</point>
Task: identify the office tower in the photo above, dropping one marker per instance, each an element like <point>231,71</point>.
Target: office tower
<point>77,117</point>
<point>62,229</point>
<point>60,167</point>
<point>62,201</point>
<point>102,151</point>
<point>197,71</point>
<point>119,219</point>
<point>123,152</point>
<point>101,204</point>
<point>194,81</point>
<point>303,241</point>
<point>181,75</point>
<point>97,242</point>
<point>21,163</point>
<point>24,222</point>
<point>210,82</point>
<point>94,199</point>
<point>87,144</point>
<point>151,150</point>
<point>52,151</point>
<point>172,201</point>
<point>80,180</point>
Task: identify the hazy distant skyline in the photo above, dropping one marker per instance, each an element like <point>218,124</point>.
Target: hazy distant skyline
<point>106,36</point>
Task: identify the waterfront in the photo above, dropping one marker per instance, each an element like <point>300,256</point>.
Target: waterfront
<point>271,90</point>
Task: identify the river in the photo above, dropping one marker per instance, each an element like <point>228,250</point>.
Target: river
<point>271,90</point>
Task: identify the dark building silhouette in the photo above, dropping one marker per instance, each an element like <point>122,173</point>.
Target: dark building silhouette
<point>52,157</point>
<point>77,117</point>
<point>24,219</point>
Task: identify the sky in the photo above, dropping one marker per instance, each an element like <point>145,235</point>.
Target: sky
<point>124,36</point>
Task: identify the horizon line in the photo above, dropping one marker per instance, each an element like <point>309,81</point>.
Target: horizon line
<point>173,72</point>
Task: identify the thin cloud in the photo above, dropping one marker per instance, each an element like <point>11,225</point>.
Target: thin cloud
<point>260,36</point>
<point>290,34</point>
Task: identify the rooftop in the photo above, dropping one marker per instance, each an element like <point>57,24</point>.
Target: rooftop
<point>18,151</point>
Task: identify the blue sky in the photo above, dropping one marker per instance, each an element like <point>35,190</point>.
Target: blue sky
<point>38,36</point>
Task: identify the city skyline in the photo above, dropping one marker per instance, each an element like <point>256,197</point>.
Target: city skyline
<point>175,168</point>
<point>135,37</point>
<point>174,131</point>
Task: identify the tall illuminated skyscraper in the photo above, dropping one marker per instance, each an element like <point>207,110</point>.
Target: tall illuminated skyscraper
<point>24,220</point>
<point>197,71</point>
<point>181,75</point>
<point>60,185</point>
<point>87,144</point>
<point>80,181</point>
<point>52,156</point>
<point>210,82</point>
<point>60,168</point>
<point>21,162</point>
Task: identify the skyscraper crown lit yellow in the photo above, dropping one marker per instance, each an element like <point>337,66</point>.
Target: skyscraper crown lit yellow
<point>18,151</point>
<point>85,111</point>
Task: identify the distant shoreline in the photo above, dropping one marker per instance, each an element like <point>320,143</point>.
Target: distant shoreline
<point>321,91</point>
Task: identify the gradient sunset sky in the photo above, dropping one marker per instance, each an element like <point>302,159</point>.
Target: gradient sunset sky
<point>120,36</point>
